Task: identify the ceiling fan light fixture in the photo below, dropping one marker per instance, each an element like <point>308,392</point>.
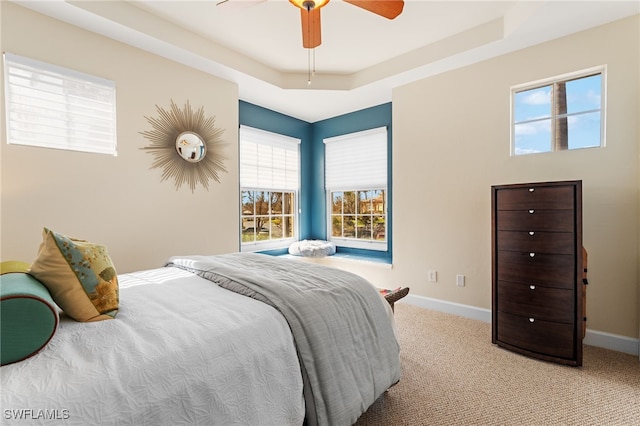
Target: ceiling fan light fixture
<point>309,4</point>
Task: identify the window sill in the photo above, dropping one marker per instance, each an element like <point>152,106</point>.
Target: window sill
<point>345,257</point>
<point>363,258</point>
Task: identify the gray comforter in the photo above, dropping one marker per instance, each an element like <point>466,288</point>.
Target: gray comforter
<point>346,344</point>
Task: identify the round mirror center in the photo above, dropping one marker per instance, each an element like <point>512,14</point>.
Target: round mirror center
<point>191,147</point>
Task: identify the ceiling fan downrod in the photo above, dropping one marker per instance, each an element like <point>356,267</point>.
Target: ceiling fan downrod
<point>309,5</point>
<point>310,14</point>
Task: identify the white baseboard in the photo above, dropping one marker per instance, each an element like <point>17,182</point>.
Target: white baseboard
<point>600,339</point>
<point>466,311</point>
<point>615,342</point>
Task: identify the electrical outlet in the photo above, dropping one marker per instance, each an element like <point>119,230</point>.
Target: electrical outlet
<point>460,280</point>
<point>433,276</point>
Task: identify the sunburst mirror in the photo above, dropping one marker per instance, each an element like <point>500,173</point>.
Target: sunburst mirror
<point>186,145</point>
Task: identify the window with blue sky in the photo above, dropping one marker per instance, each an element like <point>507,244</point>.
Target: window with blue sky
<point>559,114</point>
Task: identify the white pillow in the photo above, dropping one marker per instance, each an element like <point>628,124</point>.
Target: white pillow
<point>312,248</point>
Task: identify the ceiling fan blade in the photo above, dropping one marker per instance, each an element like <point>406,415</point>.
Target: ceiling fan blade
<point>310,28</point>
<point>386,8</point>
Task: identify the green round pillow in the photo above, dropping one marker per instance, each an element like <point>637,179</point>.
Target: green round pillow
<point>28,317</point>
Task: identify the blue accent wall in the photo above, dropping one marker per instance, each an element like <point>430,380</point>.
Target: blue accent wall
<point>313,220</point>
<point>369,118</point>
<point>272,121</point>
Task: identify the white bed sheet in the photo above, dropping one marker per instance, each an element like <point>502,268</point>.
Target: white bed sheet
<point>181,351</point>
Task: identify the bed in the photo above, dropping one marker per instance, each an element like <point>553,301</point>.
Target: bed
<point>236,339</point>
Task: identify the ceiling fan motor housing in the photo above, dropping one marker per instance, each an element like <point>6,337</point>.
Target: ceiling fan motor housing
<point>309,5</point>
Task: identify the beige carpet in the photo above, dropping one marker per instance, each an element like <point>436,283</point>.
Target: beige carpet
<point>453,375</point>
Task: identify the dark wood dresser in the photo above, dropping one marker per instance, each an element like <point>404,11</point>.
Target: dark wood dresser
<point>537,270</point>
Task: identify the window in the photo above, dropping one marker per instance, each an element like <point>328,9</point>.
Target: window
<point>356,186</point>
<point>53,107</point>
<point>559,114</point>
<point>269,182</point>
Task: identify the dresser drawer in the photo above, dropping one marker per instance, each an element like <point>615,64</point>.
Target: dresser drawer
<point>534,301</point>
<point>536,220</point>
<point>536,241</point>
<point>544,337</point>
<point>549,197</point>
<point>550,270</point>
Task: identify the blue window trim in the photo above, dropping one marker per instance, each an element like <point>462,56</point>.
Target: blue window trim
<point>312,198</point>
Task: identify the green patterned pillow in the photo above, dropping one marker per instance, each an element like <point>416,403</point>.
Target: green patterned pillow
<point>79,275</point>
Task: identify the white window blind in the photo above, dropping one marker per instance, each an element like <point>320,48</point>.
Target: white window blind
<point>268,160</point>
<point>356,161</point>
<point>54,107</point>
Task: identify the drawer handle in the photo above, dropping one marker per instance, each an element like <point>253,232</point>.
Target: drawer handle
<point>531,189</point>
<point>532,320</point>
<point>532,211</point>
<point>532,287</point>
<point>532,233</point>
<point>532,255</point>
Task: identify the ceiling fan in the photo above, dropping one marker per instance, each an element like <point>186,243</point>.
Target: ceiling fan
<point>310,14</point>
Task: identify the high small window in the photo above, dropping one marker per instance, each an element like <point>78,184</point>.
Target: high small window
<point>356,185</point>
<point>269,184</point>
<point>559,114</point>
<point>54,107</point>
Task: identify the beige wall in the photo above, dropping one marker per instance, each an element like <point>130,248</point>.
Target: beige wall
<point>451,143</point>
<point>117,201</point>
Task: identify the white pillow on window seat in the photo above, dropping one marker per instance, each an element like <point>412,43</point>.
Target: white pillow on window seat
<point>312,248</point>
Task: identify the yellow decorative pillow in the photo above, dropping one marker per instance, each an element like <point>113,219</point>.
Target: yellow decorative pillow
<point>79,275</point>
